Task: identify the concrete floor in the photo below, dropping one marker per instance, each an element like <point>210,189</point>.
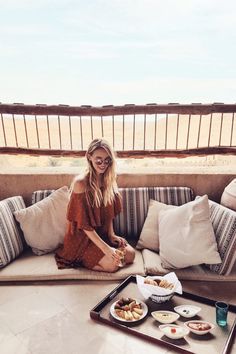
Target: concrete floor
<point>53,317</point>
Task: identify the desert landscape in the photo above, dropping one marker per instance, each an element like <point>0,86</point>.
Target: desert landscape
<point>150,132</point>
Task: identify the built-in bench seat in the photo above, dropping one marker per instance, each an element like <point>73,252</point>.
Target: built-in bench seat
<point>26,266</point>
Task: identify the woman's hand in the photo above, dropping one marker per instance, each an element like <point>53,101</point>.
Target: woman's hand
<point>118,241</point>
<point>113,255</point>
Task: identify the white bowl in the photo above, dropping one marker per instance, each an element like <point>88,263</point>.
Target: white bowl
<point>187,310</point>
<point>165,316</point>
<point>199,332</point>
<point>180,331</point>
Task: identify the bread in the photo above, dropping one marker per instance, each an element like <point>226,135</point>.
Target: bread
<point>162,283</point>
<point>150,282</point>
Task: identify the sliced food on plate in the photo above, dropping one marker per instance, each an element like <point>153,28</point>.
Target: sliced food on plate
<point>128,309</point>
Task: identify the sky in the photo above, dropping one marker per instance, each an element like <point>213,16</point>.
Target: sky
<point>99,52</point>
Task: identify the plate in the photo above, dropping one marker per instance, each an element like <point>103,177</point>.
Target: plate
<point>198,323</point>
<point>187,310</point>
<point>174,331</point>
<point>165,316</point>
<point>143,307</point>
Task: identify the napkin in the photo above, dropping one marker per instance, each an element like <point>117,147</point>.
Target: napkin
<point>148,290</point>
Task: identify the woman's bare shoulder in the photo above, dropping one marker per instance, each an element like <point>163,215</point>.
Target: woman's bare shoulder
<point>79,184</point>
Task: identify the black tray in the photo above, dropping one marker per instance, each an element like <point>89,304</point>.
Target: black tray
<point>220,340</point>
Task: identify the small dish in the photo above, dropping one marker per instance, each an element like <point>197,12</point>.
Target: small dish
<point>165,316</point>
<point>199,327</point>
<point>187,311</point>
<point>174,331</point>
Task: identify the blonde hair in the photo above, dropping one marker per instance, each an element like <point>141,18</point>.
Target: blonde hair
<point>93,192</point>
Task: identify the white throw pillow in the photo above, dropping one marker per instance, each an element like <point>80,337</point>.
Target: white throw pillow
<point>44,223</point>
<point>228,198</point>
<point>149,237</point>
<point>186,235</point>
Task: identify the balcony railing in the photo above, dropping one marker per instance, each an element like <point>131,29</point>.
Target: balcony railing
<point>152,130</point>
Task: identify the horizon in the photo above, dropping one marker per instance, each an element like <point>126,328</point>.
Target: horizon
<point>117,52</point>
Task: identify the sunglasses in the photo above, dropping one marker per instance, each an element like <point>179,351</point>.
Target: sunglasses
<point>98,161</point>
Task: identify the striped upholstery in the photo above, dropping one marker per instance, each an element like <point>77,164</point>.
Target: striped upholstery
<point>135,202</point>
<point>224,225</point>
<point>41,194</point>
<point>11,237</point>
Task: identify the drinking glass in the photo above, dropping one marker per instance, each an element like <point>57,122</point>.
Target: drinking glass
<point>221,313</point>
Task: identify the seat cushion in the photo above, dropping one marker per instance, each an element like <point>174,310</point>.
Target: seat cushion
<point>29,267</point>
<point>153,266</point>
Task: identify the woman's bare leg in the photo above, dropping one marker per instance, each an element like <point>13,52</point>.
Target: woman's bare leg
<point>105,264</point>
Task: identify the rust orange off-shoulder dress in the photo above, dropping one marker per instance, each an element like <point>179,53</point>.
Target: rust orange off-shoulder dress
<point>78,250</point>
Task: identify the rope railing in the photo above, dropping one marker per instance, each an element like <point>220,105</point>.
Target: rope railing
<point>152,130</point>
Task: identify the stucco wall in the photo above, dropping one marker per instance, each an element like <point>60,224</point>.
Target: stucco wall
<point>24,184</point>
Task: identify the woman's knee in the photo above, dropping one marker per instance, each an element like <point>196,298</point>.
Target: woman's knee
<point>129,254</point>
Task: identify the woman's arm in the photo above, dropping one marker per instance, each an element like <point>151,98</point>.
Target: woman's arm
<point>114,239</point>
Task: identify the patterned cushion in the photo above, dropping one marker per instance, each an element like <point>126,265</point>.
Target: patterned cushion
<point>224,225</point>
<point>11,238</point>
<point>41,194</point>
<point>135,202</point>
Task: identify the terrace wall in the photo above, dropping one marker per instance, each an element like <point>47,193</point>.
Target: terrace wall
<point>24,184</point>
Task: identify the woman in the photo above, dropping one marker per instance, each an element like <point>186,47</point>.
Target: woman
<point>90,240</point>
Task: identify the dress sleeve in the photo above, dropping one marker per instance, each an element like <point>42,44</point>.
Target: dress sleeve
<point>79,212</point>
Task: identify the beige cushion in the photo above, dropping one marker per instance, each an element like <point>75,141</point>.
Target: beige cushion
<point>153,266</point>
<point>29,267</point>
<point>44,223</point>
<point>149,237</point>
<point>228,198</point>
<point>186,235</point>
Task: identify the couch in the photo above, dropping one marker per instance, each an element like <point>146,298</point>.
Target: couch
<point>24,263</point>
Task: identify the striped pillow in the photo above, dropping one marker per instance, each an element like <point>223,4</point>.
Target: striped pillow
<point>11,237</point>
<point>135,202</point>
<point>224,225</point>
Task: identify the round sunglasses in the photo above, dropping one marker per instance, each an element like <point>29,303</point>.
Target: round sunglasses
<point>99,161</point>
